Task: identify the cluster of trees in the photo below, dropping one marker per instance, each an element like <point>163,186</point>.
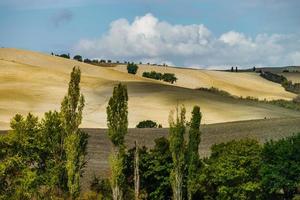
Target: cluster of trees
<point>234,70</point>
<point>132,68</point>
<point>288,85</point>
<point>167,77</point>
<point>273,77</point>
<point>62,55</point>
<point>148,124</point>
<point>43,159</point>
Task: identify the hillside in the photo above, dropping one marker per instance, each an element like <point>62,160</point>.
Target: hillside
<point>36,82</point>
<point>238,84</point>
<point>262,130</point>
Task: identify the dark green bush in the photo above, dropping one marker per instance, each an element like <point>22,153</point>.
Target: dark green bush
<point>132,68</point>
<point>78,58</point>
<point>147,124</point>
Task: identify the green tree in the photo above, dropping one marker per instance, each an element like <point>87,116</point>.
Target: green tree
<point>232,171</point>
<point>155,167</point>
<point>132,68</point>
<point>147,124</point>
<point>193,160</point>
<point>117,123</point>
<point>177,148</point>
<point>78,58</point>
<point>281,166</point>
<point>75,141</point>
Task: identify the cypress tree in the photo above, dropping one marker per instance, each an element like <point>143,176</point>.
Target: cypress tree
<point>193,160</point>
<point>75,141</point>
<point>177,148</point>
<point>117,123</point>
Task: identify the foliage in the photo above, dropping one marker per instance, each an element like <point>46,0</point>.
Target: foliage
<point>293,105</point>
<point>153,75</point>
<point>64,56</point>
<point>117,111</point>
<point>288,85</point>
<point>32,162</point>
<point>78,58</point>
<point>75,142</point>
<point>88,60</point>
<point>177,148</point>
<point>101,187</point>
<point>155,167</point>
<point>193,160</point>
<point>281,166</point>
<point>117,122</point>
<point>167,77</point>
<point>132,68</point>
<point>147,124</point>
<point>232,171</point>
<point>273,77</point>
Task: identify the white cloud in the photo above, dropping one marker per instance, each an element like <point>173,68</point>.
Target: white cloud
<point>149,39</point>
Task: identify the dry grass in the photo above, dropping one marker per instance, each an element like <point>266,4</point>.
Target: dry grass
<point>36,82</point>
<point>292,76</point>
<point>238,84</point>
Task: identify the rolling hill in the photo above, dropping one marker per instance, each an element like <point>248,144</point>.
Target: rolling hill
<point>239,84</point>
<point>36,82</point>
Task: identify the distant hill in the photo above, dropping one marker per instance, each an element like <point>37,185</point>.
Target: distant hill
<point>36,82</point>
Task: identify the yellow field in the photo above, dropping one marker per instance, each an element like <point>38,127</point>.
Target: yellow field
<point>239,84</point>
<point>36,82</point>
<point>292,76</point>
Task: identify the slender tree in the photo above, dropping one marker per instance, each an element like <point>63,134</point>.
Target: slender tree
<point>117,123</point>
<point>193,160</point>
<point>177,148</point>
<point>75,141</point>
<point>136,173</point>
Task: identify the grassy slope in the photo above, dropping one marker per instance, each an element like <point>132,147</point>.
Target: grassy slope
<point>238,84</point>
<point>262,130</point>
<point>35,82</point>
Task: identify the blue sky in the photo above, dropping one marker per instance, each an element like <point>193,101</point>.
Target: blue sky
<point>213,33</point>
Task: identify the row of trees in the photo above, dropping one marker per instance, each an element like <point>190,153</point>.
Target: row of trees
<point>167,77</point>
<point>288,85</point>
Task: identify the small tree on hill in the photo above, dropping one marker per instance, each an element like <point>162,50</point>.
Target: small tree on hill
<point>78,58</point>
<point>132,68</point>
<point>147,124</point>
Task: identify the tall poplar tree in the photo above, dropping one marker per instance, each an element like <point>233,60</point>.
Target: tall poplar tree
<point>75,140</point>
<point>193,160</point>
<point>117,123</point>
<point>177,148</point>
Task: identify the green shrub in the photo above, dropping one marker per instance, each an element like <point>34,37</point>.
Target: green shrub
<point>147,124</point>
<point>132,68</point>
<point>78,58</point>
<point>167,77</point>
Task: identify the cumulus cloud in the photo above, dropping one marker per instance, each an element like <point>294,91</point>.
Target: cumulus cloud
<point>150,40</point>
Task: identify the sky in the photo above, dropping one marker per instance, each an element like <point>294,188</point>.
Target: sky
<point>191,33</point>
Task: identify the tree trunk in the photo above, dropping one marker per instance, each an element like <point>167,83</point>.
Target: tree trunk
<point>136,173</point>
<point>177,184</point>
